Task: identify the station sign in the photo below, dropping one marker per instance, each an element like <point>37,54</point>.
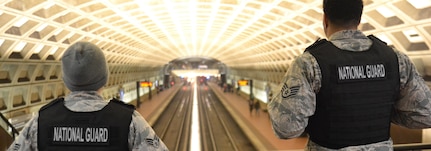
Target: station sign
<point>242,82</point>
<point>146,84</point>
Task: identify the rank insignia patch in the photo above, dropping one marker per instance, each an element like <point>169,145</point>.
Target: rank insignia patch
<point>153,141</point>
<point>289,91</point>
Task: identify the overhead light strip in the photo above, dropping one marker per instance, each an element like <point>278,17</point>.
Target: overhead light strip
<point>286,18</point>
<point>151,15</point>
<point>259,15</point>
<point>214,8</point>
<point>114,8</point>
<point>222,31</point>
<point>192,7</point>
<point>174,17</point>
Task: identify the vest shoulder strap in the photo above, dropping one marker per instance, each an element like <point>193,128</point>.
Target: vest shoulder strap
<point>121,103</point>
<point>317,43</point>
<point>375,39</point>
<point>52,103</point>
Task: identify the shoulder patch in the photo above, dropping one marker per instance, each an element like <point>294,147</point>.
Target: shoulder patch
<point>155,142</point>
<point>288,91</point>
<point>317,43</point>
<point>119,102</point>
<point>53,102</point>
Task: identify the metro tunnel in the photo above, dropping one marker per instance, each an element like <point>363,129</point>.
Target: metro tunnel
<point>190,67</point>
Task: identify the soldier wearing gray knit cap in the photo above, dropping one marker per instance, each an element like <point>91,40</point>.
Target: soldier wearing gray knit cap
<point>84,67</point>
<point>66,123</point>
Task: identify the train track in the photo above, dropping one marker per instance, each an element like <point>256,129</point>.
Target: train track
<point>173,126</point>
<point>218,130</point>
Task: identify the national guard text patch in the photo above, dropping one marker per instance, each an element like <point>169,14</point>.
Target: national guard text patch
<point>80,135</point>
<point>350,73</point>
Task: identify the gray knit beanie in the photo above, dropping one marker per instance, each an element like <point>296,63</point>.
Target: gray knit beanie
<point>84,67</point>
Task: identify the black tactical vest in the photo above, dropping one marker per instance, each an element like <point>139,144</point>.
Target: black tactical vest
<point>105,130</point>
<point>354,104</point>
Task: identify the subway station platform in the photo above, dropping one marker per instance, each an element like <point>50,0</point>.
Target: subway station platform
<point>152,108</point>
<point>256,127</point>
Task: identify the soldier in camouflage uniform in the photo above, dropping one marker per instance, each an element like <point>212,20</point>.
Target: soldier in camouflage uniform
<point>346,91</point>
<point>83,120</point>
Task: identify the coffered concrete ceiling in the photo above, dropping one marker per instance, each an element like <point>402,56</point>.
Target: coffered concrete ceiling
<point>263,34</point>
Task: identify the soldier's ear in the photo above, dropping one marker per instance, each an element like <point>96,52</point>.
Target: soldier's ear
<point>325,23</point>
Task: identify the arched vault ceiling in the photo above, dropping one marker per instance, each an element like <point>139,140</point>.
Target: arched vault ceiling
<point>264,34</point>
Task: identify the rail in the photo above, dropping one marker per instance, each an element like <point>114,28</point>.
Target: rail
<point>14,131</point>
<point>412,146</point>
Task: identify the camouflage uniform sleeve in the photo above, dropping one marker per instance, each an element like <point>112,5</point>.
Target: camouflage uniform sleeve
<point>296,101</point>
<point>142,136</point>
<point>413,108</point>
<point>27,139</point>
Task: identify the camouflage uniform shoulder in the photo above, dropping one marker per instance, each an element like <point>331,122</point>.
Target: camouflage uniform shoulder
<point>52,103</point>
<point>316,44</point>
<point>119,102</point>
